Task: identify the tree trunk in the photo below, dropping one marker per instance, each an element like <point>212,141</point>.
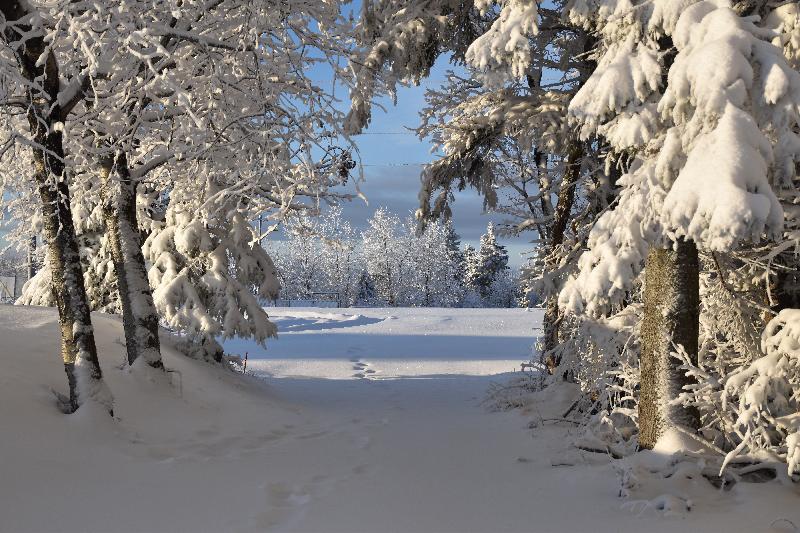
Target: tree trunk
<point>78,349</point>
<point>746,8</point>
<point>563,210</point>
<point>39,67</point>
<point>671,315</point>
<point>32,257</point>
<point>139,317</point>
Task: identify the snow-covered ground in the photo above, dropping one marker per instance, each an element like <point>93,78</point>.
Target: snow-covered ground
<point>390,343</point>
<point>311,446</point>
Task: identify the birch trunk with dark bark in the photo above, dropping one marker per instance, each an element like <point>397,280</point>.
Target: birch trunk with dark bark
<point>139,317</point>
<point>32,257</point>
<point>561,216</point>
<point>40,70</point>
<point>671,316</point>
<point>576,150</point>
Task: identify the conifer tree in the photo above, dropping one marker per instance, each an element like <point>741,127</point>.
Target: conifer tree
<point>491,261</point>
<point>453,242</point>
<point>472,268</point>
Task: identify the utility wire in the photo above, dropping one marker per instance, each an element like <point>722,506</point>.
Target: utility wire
<point>386,133</point>
<point>394,164</point>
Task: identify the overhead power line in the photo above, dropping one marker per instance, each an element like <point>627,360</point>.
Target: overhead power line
<point>386,133</point>
<point>393,164</point>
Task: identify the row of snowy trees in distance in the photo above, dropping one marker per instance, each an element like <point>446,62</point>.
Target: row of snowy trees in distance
<point>393,262</point>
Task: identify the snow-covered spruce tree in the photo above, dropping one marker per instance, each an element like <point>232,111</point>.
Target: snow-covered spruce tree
<point>454,246</point>
<point>618,101</point>
<point>491,262</point>
<point>709,150</point>
<point>99,274</point>
<point>208,272</point>
<point>744,391</point>
<point>472,272</point>
<point>34,61</point>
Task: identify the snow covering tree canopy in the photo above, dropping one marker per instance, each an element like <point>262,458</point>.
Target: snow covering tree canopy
<point>713,146</point>
<point>208,273</point>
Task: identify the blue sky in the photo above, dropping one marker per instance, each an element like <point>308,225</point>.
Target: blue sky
<point>392,166</point>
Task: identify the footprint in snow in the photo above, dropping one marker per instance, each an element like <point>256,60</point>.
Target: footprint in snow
<point>314,435</point>
<point>283,504</point>
<point>361,369</point>
<point>286,502</point>
<point>360,470</point>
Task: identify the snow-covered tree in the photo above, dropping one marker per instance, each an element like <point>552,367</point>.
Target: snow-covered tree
<point>710,153</point>
<point>366,290</point>
<point>297,260</point>
<point>208,273</point>
<point>340,257</point>
<point>386,254</point>
<point>491,261</point>
<point>472,271</point>
<point>504,290</point>
<point>435,268</point>
<point>488,281</point>
<point>453,242</point>
<point>42,76</point>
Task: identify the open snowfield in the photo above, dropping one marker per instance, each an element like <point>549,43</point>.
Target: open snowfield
<point>362,420</point>
<point>391,343</point>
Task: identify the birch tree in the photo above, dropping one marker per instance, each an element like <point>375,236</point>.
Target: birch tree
<point>36,79</point>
